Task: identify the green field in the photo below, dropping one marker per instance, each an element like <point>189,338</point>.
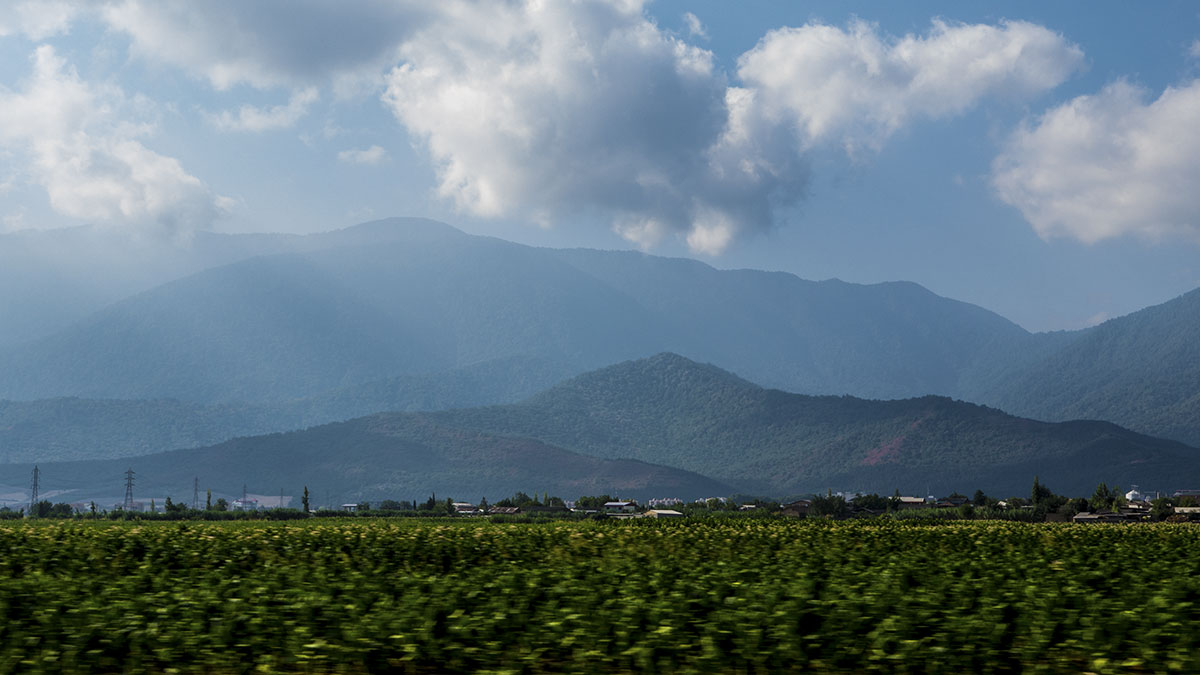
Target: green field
<point>749,595</point>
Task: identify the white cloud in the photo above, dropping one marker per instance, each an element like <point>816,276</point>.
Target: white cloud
<point>550,110</point>
<point>371,155</point>
<point>858,87</point>
<point>1107,165</point>
<point>269,43</point>
<point>254,119</point>
<point>1194,50</point>
<point>88,159</point>
<point>37,19</point>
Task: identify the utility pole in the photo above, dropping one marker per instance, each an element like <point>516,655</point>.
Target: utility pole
<point>33,493</point>
<point>129,489</point>
<point>196,493</point>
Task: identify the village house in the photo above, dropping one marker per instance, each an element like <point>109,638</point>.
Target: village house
<point>620,507</point>
<point>662,513</point>
<point>798,508</point>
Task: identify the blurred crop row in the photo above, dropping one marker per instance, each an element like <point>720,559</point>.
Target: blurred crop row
<point>749,595</point>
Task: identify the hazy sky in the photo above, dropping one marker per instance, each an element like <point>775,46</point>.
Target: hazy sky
<point>1041,160</point>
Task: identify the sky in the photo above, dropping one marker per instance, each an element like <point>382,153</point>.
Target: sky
<point>1041,160</point>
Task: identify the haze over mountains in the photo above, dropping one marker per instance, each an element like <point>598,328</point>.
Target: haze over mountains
<point>664,426</point>
<point>412,297</point>
<point>239,335</point>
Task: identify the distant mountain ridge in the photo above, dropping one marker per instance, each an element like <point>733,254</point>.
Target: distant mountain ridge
<point>1141,371</point>
<point>411,297</point>
<point>409,314</point>
<point>667,426</point>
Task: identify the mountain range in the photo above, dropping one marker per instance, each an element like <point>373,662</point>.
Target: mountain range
<point>239,335</point>
<point>661,426</point>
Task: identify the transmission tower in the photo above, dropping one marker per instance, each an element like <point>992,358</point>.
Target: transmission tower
<point>196,493</point>
<point>33,492</point>
<point>129,490</point>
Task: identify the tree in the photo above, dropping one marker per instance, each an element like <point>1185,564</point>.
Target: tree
<point>831,505</point>
<point>41,509</point>
<point>872,502</point>
<point>392,505</point>
<point>1104,498</point>
<point>304,499</point>
<point>979,499</point>
<point>1040,493</point>
<point>208,501</point>
<point>221,505</point>
<point>1161,508</point>
<point>483,505</point>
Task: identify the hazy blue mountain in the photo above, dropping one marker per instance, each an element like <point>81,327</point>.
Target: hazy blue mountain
<point>888,340</point>
<point>396,456</point>
<point>670,410</point>
<point>281,327</point>
<point>76,428</point>
<point>412,297</point>
<point>1141,371</point>
<point>618,429</point>
<point>50,279</point>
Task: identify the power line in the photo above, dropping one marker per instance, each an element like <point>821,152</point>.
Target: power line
<point>129,490</point>
<point>33,492</point>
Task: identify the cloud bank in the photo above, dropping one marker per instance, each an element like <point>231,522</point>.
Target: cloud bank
<point>547,111</point>
<point>551,112</point>
<point>85,152</point>
<point>268,43</point>
<point>1108,165</point>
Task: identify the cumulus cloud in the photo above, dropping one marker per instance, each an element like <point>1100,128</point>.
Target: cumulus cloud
<point>254,119</point>
<point>568,111</point>
<point>371,155</point>
<point>36,19</point>
<point>89,160</point>
<point>550,110</point>
<point>268,43</point>
<point>1107,165</point>
<point>858,87</point>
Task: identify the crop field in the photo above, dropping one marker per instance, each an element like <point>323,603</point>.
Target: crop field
<point>738,595</point>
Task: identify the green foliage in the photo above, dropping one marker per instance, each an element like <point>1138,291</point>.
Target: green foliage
<point>701,595</point>
<point>670,410</point>
<point>1139,370</point>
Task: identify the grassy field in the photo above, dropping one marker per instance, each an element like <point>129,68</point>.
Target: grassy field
<point>752,595</point>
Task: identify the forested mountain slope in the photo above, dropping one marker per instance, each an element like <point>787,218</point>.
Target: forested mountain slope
<point>1141,370</point>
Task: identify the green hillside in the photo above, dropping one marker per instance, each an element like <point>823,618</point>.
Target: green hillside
<point>64,429</point>
<point>673,411</point>
<point>618,429</point>
<point>397,456</point>
<point>1141,371</point>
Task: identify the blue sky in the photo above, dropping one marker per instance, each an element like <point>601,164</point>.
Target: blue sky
<point>1039,159</point>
